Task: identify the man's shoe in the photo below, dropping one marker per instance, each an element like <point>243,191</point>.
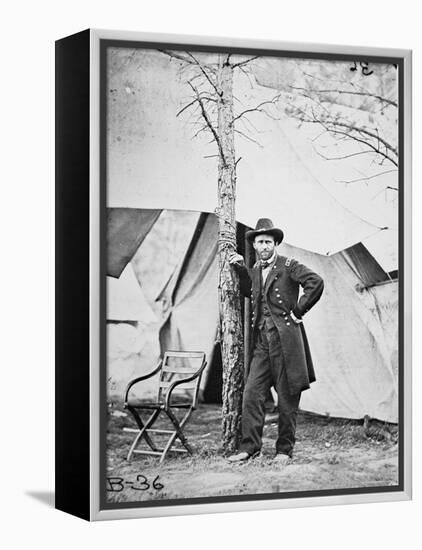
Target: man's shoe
<point>242,457</point>
<point>281,459</point>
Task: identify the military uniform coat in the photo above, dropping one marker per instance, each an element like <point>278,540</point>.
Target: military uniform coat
<point>282,295</point>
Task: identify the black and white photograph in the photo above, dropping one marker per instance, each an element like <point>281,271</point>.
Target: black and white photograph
<point>252,277</point>
<point>210,287</point>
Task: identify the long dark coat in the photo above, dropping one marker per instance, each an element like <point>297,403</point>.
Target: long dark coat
<point>282,293</point>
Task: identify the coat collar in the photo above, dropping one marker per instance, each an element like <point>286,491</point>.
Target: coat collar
<point>274,259</point>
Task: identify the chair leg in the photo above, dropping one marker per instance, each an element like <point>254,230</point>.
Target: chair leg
<point>167,447</point>
<point>179,433</point>
<point>133,446</point>
<point>142,430</point>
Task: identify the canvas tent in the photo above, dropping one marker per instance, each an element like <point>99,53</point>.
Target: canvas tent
<point>154,164</point>
<point>128,317</point>
<point>352,331</point>
<point>126,301</point>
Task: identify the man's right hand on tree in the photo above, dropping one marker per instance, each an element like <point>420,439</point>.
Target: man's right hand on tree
<point>236,259</point>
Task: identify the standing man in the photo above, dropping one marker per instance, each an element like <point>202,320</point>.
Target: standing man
<point>280,350</point>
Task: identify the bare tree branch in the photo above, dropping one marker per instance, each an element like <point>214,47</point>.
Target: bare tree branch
<point>343,156</point>
<point>343,82</point>
<point>246,73</point>
<point>207,76</point>
<point>249,138</point>
<point>177,55</point>
<point>206,97</point>
<point>209,123</point>
<point>366,132</point>
<point>349,131</point>
<point>258,108</point>
<point>322,100</point>
<point>203,97</point>
<point>340,92</point>
<point>251,125</point>
<point>351,136</point>
<point>203,129</point>
<point>245,62</point>
<point>185,58</point>
<point>366,178</point>
<point>186,107</point>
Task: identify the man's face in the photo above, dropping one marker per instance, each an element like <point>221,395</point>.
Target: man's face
<point>264,246</point>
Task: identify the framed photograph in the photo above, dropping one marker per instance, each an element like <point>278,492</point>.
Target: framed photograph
<point>233,274</point>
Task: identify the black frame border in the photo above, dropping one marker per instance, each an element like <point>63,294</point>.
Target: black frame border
<point>72,271</point>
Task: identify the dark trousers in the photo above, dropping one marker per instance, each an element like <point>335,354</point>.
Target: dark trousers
<point>266,370</point>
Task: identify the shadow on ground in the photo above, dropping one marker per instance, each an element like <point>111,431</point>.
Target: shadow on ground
<point>45,497</point>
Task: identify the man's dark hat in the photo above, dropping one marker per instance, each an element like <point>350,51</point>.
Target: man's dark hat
<point>265,226</point>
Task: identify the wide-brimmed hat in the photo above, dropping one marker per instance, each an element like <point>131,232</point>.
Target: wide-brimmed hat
<point>265,226</point>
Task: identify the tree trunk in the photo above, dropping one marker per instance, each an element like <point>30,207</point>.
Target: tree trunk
<point>230,304</point>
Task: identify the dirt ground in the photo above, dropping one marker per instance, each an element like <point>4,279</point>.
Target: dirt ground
<point>329,454</point>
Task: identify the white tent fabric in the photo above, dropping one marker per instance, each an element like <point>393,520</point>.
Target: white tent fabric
<point>351,343</point>
<point>125,299</point>
<point>384,246</point>
<point>128,316</point>
<point>154,163</point>
<point>192,300</point>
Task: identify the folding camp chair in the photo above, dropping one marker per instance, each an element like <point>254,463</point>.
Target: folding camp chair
<point>178,385</point>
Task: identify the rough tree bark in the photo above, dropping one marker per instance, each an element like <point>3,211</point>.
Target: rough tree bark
<point>230,306</point>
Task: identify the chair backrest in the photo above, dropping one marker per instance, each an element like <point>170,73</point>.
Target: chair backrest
<point>179,366</point>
